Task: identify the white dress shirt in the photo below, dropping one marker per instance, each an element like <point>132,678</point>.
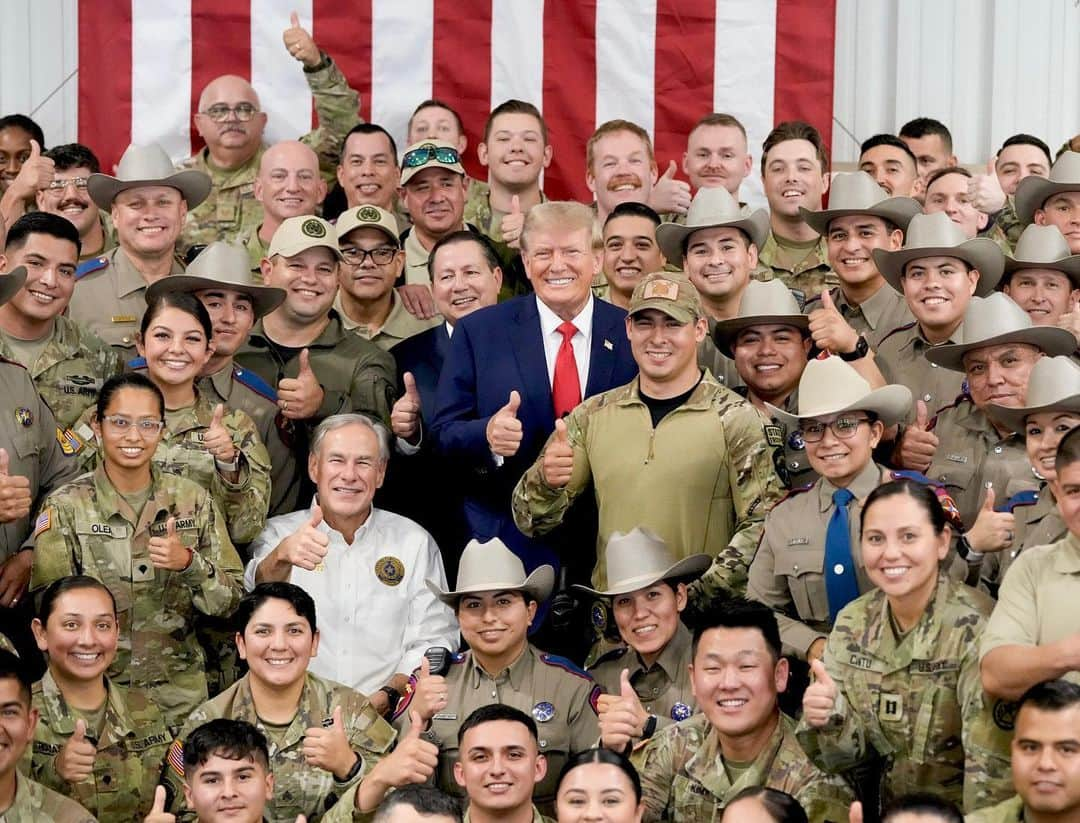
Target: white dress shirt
<point>581,341</point>
<point>369,627</point>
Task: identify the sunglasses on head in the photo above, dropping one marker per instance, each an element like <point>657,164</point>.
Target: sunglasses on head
<point>427,152</point>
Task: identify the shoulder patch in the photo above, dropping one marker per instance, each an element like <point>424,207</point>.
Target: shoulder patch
<point>594,699</point>
<point>137,363</point>
<point>904,327</point>
<point>70,443</point>
<point>1028,497</point>
<point>43,522</point>
<point>255,383</point>
<point>89,266</point>
<point>566,665</point>
<point>793,492</point>
<point>952,511</point>
<point>608,656</point>
<point>175,757</point>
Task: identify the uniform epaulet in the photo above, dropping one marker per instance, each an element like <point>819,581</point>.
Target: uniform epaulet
<point>255,383</point>
<point>610,655</point>
<point>952,511</point>
<point>960,398</point>
<point>566,665</point>
<point>1028,497</point>
<point>904,327</point>
<point>816,298</point>
<point>90,266</point>
<point>793,492</point>
<point>410,687</point>
<point>137,363</point>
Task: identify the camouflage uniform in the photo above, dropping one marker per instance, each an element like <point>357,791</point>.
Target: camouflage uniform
<point>1009,222</point>
<point>684,778</point>
<point>298,787</point>
<point>537,817</point>
<point>663,688</point>
<point>231,208</point>
<point>70,370</point>
<point>1008,811</point>
<point>719,364</point>
<point>110,299</point>
<point>559,696</point>
<point>806,278</point>
<point>480,215</point>
<point>702,479</point>
<point>131,745</point>
<point>900,358</point>
<point>37,449</point>
<point>789,449</point>
<point>916,700</point>
<point>6,645</point>
<point>88,528</point>
<point>1037,522</point>
<point>35,803</point>
<point>875,317</point>
<point>181,452</point>
<point>256,250</point>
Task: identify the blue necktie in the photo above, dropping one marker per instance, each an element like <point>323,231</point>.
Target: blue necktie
<point>841,585</point>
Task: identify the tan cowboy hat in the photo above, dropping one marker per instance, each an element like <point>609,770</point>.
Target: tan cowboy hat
<point>857,193</point>
<point>11,282</point>
<point>639,559</point>
<point>433,154</point>
<point>221,265</point>
<point>830,386</point>
<point>1034,191</point>
<point>935,235</point>
<point>1053,385</point>
<point>762,304</point>
<point>997,319</point>
<point>148,166</point>
<point>1044,247</point>
<point>712,208</point>
<point>368,217</point>
<point>492,567</point>
<point>303,232</point>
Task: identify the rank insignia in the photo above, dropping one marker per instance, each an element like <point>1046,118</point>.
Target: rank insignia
<point>543,711</point>
<point>389,570</point>
<point>24,416</point>
<point>680,711</point>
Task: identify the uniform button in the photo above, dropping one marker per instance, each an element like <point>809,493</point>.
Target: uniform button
<point>795,567</point>
<point>933,365</point>
<point>493,694</point>
<point>997,449</point>
<point>838,568</point>
<point>794,464</point>
<point>942,478</point>
<point>926,398</point>
<point>126,341</point>
<point>107,779</point>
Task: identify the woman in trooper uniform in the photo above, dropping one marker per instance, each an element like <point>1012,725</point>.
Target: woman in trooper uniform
<point>647,681</point>
<point>495,603</point>
<point>155,539</point>
<point>97,742</point>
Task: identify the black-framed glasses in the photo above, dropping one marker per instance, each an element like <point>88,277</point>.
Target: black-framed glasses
<point>843,428</point>
<point>380,256</point>
<point>219,112</point>
<point>123,424</point>
<point>429,151</point>
<point>79,183</point>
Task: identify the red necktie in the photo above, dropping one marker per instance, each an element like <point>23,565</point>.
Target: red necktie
<point>566,387</point>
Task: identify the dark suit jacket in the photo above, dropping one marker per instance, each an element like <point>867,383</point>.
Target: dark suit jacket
<point>423,355</point>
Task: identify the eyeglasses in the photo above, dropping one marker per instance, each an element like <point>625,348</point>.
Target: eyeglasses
<point>219,113</point>
<point>79,183</point>
<point>380,256</point>
<point>843,428</point>
<point>123,424</point>
<point>421,155</point>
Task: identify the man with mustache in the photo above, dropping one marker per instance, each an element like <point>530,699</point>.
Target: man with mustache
<point>619,166</point>
<point>67,196</point>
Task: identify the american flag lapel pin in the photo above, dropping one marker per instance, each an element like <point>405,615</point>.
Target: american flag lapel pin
<point>609,345</point>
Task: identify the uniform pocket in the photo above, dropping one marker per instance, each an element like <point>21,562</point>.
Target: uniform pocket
<point>806,583</point>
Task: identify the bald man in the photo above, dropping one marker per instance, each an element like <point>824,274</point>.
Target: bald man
<point>231,121</point>
<point>288,184</point>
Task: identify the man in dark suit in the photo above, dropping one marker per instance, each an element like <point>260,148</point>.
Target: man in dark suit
<point>513,368</point>
<point>465,276</point>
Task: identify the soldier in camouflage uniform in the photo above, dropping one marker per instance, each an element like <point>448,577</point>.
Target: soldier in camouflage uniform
<point>228,107</point>
<point>900,678</point>
<point>690,771</point>
<point>701,475</point>
<point>275,620</point>
<point>157,541</point>
<point>67,362</point>
<point>124,733</point>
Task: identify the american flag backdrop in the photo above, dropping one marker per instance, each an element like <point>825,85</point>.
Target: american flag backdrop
<point>660,63</point>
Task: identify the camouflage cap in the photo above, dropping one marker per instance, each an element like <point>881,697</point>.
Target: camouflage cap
<point>430,154</point>
<point>368,217</point>
<point>670,293</point>
<point>301,233</point>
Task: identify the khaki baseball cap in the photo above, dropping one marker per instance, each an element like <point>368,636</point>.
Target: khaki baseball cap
<point>297,234</point>
<point>368,217</point>
<point>670,293</point>
<point>430,154</point>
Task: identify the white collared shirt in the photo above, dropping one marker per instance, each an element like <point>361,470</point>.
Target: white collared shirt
<point>370,627</point>
<point>581,341</point>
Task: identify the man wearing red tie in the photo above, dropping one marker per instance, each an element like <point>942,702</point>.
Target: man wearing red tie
<point>516,367</point>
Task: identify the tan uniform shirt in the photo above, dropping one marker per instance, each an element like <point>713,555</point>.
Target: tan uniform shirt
<point>719,365</point>
<point>885,310</point>
<point>398,325</point>
<point>900,358</point>
<point>416,258</point>
<point>1037,522</point>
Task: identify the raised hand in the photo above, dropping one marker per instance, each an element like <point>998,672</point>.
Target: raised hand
<point>558,465</point>
<point>15,499</point>
<point>819,699</point>
<point>430,694</point>
<point>300,43</point>
<point>417,300</point>
<point>405,416</point>
<point>413,761</point>
<point>36,174</point>
<point>217,439</point>
<point>984,190</point>
<point>307,546</point>
<point>75,761</point>
<point>918,444</point>
<point>512,224</point>
<point>301,396</point>
<point>158,813</point>
<point>328,747</point>
<point>622,720</point>
<point>992,530</point>
<point>830,330</point>
<point>169,552</point>
<point>504,430</point>
<point>669,195</point>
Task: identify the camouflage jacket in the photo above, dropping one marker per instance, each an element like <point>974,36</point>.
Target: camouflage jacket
<point>1008,811</point>
<point>86,527</point>
<point>684,778</point>
<point>131,746</point>
<point>298,787</point>
<point>35,803</point>
<point>806,279</point>
<point>916,700</point>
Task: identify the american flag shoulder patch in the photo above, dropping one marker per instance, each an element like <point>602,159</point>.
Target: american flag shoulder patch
<point>176,757</point>
<point>43,522</point>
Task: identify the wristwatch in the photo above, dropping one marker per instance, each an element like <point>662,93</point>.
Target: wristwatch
<point>393,696</point>
<point>963,548</point>
<point>862,348</point>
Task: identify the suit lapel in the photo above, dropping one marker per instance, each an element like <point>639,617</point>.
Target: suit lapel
<point>527,343</point>
<point>602,351</point>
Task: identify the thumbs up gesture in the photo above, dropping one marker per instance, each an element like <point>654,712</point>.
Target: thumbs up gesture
<point>413,761</point>
<point>169,552</point>
<point>558,465</point>
<point>622,719</point>
<point>405,416</point>
<point>430,693</point>
<point>513,223</point>
<point>992,530</point>
<point>1070,320</point>
<point>217,439</point>
<point>819,699</point>
<point>307,546</point>
<point>327,747</point>
<point>669,195</point>
<point>300,43</point>
<point>35,175</point>
<point>918,444</point>
<point>15,499</point>
<point>75,761</point>
<point>984,190</point>
<point>504,430</point>
<point>830,330</point>
<point>157,812</point>
<point>300,397</point>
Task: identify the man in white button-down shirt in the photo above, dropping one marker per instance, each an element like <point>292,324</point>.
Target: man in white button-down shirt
<point>364,567</point>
